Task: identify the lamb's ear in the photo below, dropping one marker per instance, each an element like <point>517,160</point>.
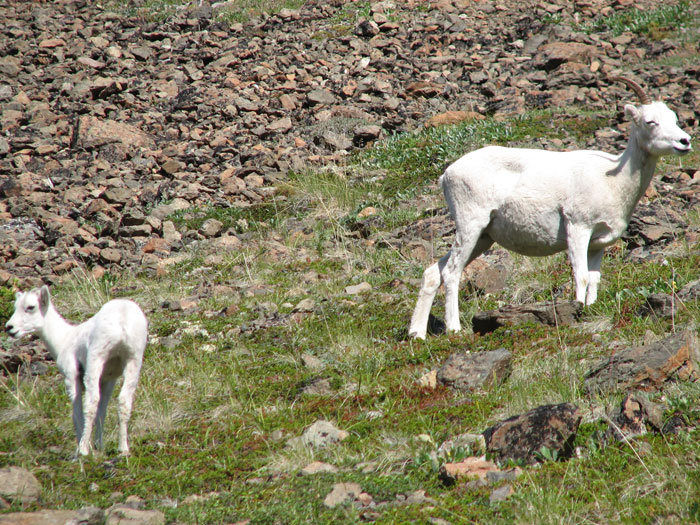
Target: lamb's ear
<point>44,299</point>
<point>632,112</point>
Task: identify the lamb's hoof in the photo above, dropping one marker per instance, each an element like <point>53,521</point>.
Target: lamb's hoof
<point>416,335</point>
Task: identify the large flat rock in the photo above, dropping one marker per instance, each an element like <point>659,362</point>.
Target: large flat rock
<point>647,367</point>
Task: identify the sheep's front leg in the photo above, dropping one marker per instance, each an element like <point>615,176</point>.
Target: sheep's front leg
<point>595,258</point>
<point>465,250</point>
<point>426,295</point>
<point>132,370</point>
<point>578,238</point>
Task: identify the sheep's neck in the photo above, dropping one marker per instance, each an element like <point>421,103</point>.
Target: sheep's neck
<point>636,170</point>
<point>57,333</point>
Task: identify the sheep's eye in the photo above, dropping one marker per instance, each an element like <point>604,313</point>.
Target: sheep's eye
<point>652,123</point>
<point>31,308</point>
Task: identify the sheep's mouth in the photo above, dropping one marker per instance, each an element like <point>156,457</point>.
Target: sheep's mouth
<point>681,147</point>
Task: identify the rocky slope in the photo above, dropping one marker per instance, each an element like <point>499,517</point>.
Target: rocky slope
<point>110,122</point>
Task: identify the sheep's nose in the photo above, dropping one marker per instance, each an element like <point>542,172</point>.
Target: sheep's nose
<point>8,327</point>
<point>685,142</point>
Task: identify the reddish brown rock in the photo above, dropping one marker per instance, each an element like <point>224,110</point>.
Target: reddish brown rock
<point>647,367</point>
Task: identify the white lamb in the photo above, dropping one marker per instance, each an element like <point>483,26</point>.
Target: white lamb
<point>91,356</point>
<point>538,203</point>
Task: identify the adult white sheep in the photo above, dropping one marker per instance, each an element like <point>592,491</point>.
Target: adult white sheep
<point>538,203</point>
<point>91,356</point>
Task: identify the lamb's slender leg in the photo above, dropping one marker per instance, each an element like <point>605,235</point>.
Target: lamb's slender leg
<point>578,237</point>
<point>426,295</point>
<point>106,389</point>
<point>465,250</point>
<point>74,387</point>
<point>132,370</point>
<point>93,371</point>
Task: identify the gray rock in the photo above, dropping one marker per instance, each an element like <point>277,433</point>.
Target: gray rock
<point>323,433</point>
<point>501,493</point>
<point>321,96</point>
<point>211,228</point>
<point>691,291</point>
<point>469,371</point>
<point>305,306</point>
<point>633,416</point>
<point>552,314</point>
<point>19,485</point>
<point>318,387</point>
<point>126,515</point>
<point>85,516</point>
<point>522,437</point>
<point>661,305</point>
<point>336,141</point>
<point>357,289</point>
<point>318,467</point>
<point>342,493</point>
<point>312,362</point>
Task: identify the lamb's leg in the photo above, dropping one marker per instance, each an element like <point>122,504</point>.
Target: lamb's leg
<point>578,238</point>
<point>93,371</point>
<point>595,258</point>
<point>465,250</point>
<point>132,370</point>
<point>74,387</point>
<point>426,295</point>
<point>106,389</point>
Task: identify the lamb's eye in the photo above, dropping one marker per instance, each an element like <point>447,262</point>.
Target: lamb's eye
<point>31,308</point>
<point>652,123</point>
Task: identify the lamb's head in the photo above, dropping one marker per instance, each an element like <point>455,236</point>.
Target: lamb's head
<point>656,126</point>
<point>30,312</point>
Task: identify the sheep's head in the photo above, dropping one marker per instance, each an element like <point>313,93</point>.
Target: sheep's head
<point>30,312</point>
<point>658,129</point>
<point>656,125</point>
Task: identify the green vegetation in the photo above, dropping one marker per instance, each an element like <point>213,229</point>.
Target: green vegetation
<point>239,11</point>
<point>7,301</point>
<point>656,23</point>
<point>221,395</point>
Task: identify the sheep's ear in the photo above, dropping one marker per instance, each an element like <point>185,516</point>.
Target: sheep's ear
<point>44,299</point>
<point>18,295</point>
<point>632,112</point>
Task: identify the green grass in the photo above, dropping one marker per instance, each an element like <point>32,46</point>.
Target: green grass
<point>656,23</point>
<point>214,413</point>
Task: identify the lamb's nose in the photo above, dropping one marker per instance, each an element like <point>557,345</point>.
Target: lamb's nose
<point>685,142</point>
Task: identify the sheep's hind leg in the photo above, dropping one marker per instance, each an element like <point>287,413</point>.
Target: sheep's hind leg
<point>92,398</point>
<point>462,253</point>
<point>74,387</point>
<point>595,258</point>
<point>106,389</point>
<point>132,370</point>
<point>578,238</point>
